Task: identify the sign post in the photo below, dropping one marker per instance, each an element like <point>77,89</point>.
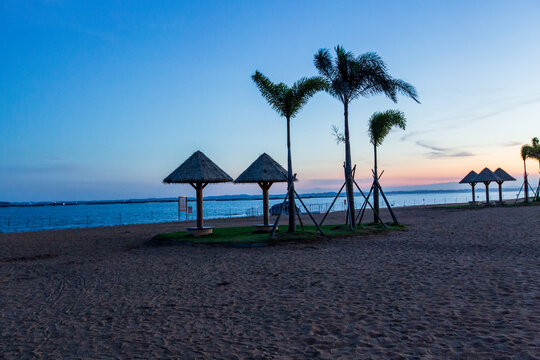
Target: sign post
<point>182,205</point>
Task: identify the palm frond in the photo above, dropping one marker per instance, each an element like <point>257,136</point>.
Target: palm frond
<point>534,151</point>
<point>526,151</point>
<point>304,89</point>
<point>365,75</point>
<point>342,64</point>
<point>273,93</point>
<point>380,124</point>
<point>404,88</point>
<point>323,63</point>
<point>287,101</point>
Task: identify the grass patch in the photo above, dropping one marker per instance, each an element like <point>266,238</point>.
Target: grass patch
<point>247,235</point>
<point>483,205</point>
<point>444,207</point>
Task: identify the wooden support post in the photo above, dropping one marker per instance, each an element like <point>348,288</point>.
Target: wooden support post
<point>364,206</point>
<point>331,205</point>
<point>387,204</point>
<point>199,190</point>
<point>473,194</point>
<point>375,211</point>
<point>487,191</point>
<point>279,216</point>
<point>311,216</point>
<point>299,218</point>
<point>265,186</point>
<point>500,191</point>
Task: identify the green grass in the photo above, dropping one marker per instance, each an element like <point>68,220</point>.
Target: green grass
<point>483,205</point>
<point>246,235</point>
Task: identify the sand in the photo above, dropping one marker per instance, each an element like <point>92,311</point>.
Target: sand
<point>456,284</point>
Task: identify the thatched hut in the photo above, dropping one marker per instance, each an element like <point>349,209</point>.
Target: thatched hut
<point>486,176</point>
<point>198,171</point>
<point>503,176</point>
<point>470,179</point>
<point>264,171</point>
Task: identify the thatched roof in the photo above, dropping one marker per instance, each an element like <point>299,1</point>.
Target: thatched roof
<point>486,175</point>
<point>503,175</point>
<point>263,169</point>
<point>198,168</point>
<point>469,178</point>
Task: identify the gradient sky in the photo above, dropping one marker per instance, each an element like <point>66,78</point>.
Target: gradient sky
<point>103,99</point>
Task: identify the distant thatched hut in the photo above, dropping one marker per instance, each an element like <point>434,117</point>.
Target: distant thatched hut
<point>486,176</point>
<point>470,179</point>
<point>198,171</point>
<point>503,176</point>
<point>264,171</point>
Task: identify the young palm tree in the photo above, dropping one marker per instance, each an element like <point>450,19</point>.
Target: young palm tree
<point>526,150</point>
<point>287,101</point>
<point>535,154</point>
<point>352,77</point>
<point>380,125</point>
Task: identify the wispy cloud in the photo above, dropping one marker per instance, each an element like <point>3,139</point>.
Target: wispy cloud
<point>511,143</point>
<point>441,152</point>
<point>52,168</point>
<point>457,121</point>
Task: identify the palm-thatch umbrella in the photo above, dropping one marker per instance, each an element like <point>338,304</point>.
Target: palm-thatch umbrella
<point>486,176</point>
<point>470,179</point>
<point>198,171</point>
<point>503,176</point>
<point>264,171</point>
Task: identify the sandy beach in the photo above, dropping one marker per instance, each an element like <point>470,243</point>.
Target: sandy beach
<point>457,283</point>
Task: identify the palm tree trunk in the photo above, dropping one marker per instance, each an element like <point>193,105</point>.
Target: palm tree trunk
<point>290,181</point>
<point>538,187</point>
<point>348,166</point>
<point>525,181</point>
<point>376,187</point>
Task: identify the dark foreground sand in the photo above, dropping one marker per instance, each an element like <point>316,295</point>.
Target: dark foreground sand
<point>456,284</point>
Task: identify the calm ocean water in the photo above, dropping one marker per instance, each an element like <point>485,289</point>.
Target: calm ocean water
<point>33,218</point>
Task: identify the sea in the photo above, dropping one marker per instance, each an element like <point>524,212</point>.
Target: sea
<point>37,217</point>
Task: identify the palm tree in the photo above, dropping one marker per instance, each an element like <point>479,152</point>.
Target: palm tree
<point>526,150</point>
<point>380,125</point>
<point>352,77</point>
<point>287,101</point>
<point>535,154</point>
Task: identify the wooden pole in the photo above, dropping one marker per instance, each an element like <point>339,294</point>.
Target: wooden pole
<point>311,216</point>
<point>500,191</point>
<point>265,186</point>
<point>473,194</point>
<point>487,191</point>
<point>331,205</point>
<point>199,189</point>
<point>364,206</point>
<point>376,212</point>
<point>387,204</point>
<point>279,215</point>
<point>299,218</point>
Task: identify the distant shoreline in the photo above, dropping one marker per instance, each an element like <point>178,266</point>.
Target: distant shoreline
<point>219,198</point>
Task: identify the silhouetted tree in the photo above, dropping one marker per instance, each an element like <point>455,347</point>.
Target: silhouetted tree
<point>380,125</point>
<point>535,154</point>
<point>351,77</point>
<point>287,102</point>
<point>525,152</point>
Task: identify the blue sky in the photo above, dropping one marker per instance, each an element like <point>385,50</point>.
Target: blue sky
<point>103,99</point>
